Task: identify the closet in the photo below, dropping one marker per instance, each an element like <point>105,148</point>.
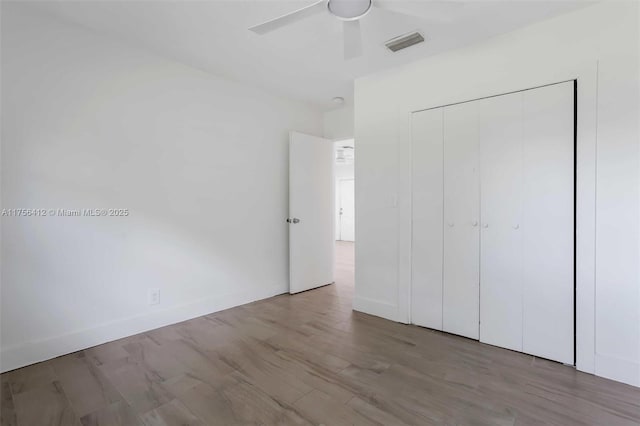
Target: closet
<point>493,220</point>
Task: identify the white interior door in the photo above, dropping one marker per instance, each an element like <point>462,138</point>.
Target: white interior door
<point>311,212</point>
<point>500,131</point>
<point>346,189</point>
<point>548,222</point>
<point>461,279</point>
<point>427,205</point>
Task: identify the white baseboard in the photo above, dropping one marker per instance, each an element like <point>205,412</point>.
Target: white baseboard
<point>376,307</point>
<point>27,353</point>
<point>620,370</point>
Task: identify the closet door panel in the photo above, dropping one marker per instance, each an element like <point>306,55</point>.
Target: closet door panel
<point>548,222</point>
<point>461,216</point>
<point>427,205</point>
<point>500,129</point>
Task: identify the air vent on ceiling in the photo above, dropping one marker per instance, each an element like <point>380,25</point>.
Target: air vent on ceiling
<point>404,41</point>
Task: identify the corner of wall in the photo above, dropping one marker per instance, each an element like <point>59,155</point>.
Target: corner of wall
<point>375,307</point>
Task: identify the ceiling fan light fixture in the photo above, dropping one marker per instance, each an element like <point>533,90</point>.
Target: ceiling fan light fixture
<point>349,10</point>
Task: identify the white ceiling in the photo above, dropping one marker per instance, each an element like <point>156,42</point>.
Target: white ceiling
<point>304,60</point>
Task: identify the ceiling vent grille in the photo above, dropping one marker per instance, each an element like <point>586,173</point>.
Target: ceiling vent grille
<point>404,41</point>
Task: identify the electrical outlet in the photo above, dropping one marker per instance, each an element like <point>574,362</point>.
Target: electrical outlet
<point>154,296</point>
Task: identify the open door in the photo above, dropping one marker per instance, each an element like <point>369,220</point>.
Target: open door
<point>311,212</point>
<point>346,226</point>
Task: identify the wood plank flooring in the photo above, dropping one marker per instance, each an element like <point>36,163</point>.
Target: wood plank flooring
<point>307,360</point>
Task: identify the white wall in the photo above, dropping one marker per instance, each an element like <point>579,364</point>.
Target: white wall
<point>599,46</point>
<point>201,163</point>
<point>338,123</point>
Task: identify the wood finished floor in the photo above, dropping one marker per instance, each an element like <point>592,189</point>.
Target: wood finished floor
<point>307,359</point>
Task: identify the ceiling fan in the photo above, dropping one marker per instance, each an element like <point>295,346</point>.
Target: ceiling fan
<point>350,12</point>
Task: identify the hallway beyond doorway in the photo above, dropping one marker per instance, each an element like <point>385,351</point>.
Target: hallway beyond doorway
<point>345,264</point>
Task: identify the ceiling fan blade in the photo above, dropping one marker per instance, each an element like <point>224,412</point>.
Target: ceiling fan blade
<point>290,18</point>
<point>433,10</point>
<point>352,39</point>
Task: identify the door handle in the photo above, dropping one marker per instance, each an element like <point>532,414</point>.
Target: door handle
<point>516,226</point>
<point>451,224</point>
<point>293,220</point>
<point>474,223</point>
<point>485,225</point>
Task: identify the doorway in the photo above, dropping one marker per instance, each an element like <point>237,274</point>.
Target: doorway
<point>345,190</point>
<point>344,213</point>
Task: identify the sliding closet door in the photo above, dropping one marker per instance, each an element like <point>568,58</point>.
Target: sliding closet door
<point>500,131</point>
<point>548,222</point>
<point>460,302</point>
<point>427,205</point>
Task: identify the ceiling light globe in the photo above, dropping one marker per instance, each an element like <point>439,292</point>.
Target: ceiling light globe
<point>349,10</point>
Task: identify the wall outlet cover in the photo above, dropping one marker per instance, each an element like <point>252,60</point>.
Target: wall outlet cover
<point>153,296</point>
